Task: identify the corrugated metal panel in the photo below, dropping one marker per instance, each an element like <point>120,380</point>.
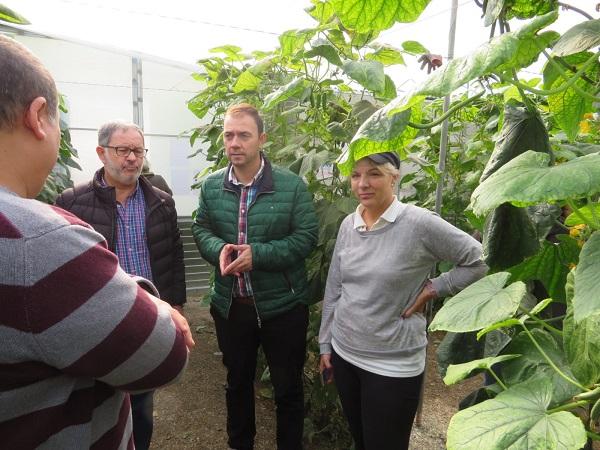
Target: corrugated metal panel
<point>197,270</point>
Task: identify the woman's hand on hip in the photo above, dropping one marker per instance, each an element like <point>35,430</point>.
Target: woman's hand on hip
<point>426,294</point>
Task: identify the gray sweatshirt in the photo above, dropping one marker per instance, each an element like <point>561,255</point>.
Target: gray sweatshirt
<point>375,275</point>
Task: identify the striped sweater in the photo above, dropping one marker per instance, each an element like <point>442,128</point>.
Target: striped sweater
<point>76,334</point>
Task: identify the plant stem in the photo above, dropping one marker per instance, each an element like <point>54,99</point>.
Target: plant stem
<point>568,406</point>
<point>530,107</point>
<point>573,8</point>
<point>425,126</point>
<point>551,363</point>
<point>566,76</point>
<point>550,328</point>
<point>543,323</point>
<point>497,379</point>
<point>570,82</point>
<point>593,436</point>
<point>561,225</point>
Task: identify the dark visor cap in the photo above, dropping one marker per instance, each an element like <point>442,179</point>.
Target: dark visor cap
<point>382,158</point>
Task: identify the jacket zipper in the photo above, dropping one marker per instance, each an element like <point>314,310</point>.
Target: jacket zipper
<point>289,283</point>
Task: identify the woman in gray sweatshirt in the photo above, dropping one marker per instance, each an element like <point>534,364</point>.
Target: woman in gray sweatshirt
<point>372,335</point>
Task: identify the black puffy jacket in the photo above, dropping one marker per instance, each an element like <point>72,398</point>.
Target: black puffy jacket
<point>96,204</point>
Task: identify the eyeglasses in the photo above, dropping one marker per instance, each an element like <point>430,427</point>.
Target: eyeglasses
<point>126,151</point>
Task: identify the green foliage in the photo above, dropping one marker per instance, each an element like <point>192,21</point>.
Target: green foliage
<point>459,372</point>
<point>326,97</point>
<point>8,15</point>
<point>481,304</point>
<point>517,418</point>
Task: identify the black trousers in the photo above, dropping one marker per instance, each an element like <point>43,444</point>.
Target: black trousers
<point>141,413</point>
<point>283,340</point>
<point>380,410</point>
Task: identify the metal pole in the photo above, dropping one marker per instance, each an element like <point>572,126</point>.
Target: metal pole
<point>137,93</point>
<point>440,183</point>
<point>444,137</point>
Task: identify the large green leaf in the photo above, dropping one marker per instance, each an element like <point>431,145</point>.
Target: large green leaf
<point>492,11</point>
<point>528,50</point>
<point>292,41</point>
<point>367,16</point>
<point>232,52</point>
<point>247,81</point>
<point>8,15</point>
<point>527,180</point>
<point>458,348</point>
<point>386,55</point>
<point>550,266</point>
<point>368,74</point>
<point>292,89</point>
<point>532,365</point>
<point>586,301</point>
<point>582,342</point>
<point>590,212</point>
<point>481,304</point>
<point>414,48</point>
<point>580,38</point>
<point>320,11</point>
<point>380,133</point>
<point>458,372</point>
<point>526,9</point>
<point>551,72</point>
<point>509,50</point>
<point>518,419</point>
<point>509,236</point>
<point>569,106</point>
<point>321,47</point>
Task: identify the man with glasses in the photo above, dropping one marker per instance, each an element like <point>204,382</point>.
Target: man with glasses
<point>139,223</point>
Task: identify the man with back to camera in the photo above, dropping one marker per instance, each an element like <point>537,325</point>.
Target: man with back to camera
<point>256,224</point>
<point>77,332</point>
<point>139,223</point>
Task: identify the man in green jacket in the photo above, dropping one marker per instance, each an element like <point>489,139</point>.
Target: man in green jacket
<point>256,224</point>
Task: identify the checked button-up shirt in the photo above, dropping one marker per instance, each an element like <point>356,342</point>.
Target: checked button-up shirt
<point>130,245</point>
<point>243,286</point>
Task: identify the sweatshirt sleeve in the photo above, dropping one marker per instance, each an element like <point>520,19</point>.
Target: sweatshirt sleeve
<point>333,290</point>
<point>448,243</point>
<point>88,318</point>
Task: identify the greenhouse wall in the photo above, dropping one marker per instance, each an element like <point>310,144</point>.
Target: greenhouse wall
<point>97,84</point>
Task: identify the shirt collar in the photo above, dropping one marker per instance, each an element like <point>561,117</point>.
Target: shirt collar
<point>234,180</point>
<point>103,183</point>
<point>389,215</point>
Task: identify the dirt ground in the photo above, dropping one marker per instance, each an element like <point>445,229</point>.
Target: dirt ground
<point>191,414</point>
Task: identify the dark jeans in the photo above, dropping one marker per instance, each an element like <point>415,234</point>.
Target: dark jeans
<point>283,340</point>
<point>141,413</point>
<point>380,410</point>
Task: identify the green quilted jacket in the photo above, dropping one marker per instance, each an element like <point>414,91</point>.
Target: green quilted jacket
<point>282,231</point>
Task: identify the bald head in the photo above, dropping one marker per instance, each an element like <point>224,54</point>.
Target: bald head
<point>23,78</point>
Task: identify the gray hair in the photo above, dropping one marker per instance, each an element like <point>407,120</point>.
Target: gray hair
<point>108,129</point>
<point>23,78</point>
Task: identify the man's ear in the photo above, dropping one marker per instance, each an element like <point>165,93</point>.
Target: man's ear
<point>100,152</point>
<point>262,138</point>
<point>35,116</point>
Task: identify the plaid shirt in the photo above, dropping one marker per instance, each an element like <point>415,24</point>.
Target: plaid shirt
<point>243,286</point>
<point>131,246</point>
